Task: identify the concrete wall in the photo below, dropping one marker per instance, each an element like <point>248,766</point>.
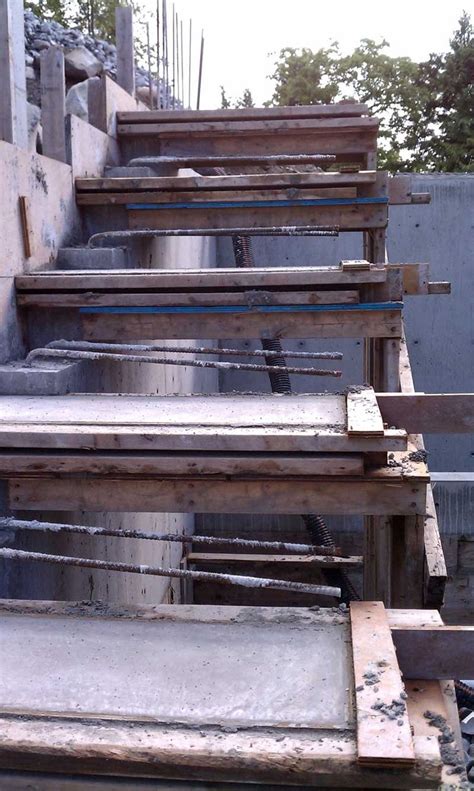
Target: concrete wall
<point>56,222</point>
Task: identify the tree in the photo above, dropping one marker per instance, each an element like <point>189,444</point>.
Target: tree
<point>56,10</point>
<point>225,102</point>
<point>246,99</point>
<point>306,77</point>
<point>426,109</point>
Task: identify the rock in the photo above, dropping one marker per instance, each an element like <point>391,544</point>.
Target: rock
<point>34,127</point>
<point>80,64</point>
<point>30,73</point>
<point>467,725</point>
<point>29,60</point>
<point>471,751</point>
<point>470,775</point>
<point>143,94</point>
<point>38,44</point>
<point>77,100</point>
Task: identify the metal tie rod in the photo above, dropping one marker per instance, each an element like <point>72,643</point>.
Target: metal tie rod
<point>153,347</point>
<point>10,523</point>
<point>148,233</point>
<point>208,161</point>
<point>71,354</point>
<point>156,571</point>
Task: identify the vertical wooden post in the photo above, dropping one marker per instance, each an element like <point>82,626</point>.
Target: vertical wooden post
<point>125,48</point>
<point>13,116</point>
<point>53,103</point>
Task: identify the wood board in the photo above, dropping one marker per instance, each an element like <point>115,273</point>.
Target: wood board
<point>383,726</point>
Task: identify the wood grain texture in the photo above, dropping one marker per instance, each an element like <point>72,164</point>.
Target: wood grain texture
<point>363,413</point>
<point>383,739</point>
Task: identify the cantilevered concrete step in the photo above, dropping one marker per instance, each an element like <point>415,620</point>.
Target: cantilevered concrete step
<point>237,685</point>
<point>218,454</point>
<point>343,131</point>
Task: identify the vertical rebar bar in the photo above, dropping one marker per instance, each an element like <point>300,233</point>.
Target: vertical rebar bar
<point>181,49</point>
<point>190,61</point>
<point>150,79</point>
<point>201,57</point>
<point>173,63</point>
<point>158,83</point>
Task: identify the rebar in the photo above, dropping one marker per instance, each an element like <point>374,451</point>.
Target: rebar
<point>231,160</point>
<point>201,59</point>
<point>137,358</point>
<point>144,233</point>
<point>11,523</point>
<point>153,347</point>
<point>157,571</point>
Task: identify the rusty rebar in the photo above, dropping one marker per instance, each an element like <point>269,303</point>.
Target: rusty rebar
<point>213,161</point>
<point>156,571</point>
<point>149,233</point>
<point>153,347</point>
<point>11,523</point>
<point>137,358</point>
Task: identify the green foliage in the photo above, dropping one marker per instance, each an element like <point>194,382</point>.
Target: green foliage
<point>56,10</point>
<point>426,109</point>
<point>245,100</point>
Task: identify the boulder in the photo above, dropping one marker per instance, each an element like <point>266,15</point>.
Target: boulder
<point>77,100</point>
<point>80,64</point>
<point>34,127</point>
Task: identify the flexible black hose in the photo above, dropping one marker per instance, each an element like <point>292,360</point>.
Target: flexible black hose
<point>280,383</point>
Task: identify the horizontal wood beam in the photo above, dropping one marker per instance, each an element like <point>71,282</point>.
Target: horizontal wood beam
<point>316,126</point>
<point>428,413</point>
<point>341,109</point>
<point>226,278</point>
<point>251,559</point>
<point>251,324</point>
<point>237,182</point>
<point>435,652</point>
<point>201,495</point>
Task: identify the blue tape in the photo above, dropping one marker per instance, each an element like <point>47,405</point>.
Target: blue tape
<point>258,204</point>
<point>366,306</point>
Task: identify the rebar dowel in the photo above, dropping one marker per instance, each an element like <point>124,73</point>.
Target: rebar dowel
<point>71,354</point>
<point>210,160</point>
<point>11,523</point>
<point>156,571</point>
<point>148,233</point>
<point>153,347</point>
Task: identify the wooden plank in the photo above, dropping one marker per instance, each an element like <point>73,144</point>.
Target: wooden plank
<point>354,146</point>
<point>341,496</point>
<point>251,324</point>
<point>428,413</point>
<point>354,217</point>
<point>220,197</point>
<point>435,652</point>
<point>439,287</point>
<point>303,561</point>
<point>251,298</point>
<point>53,103</point>
<point>173,279</point>
<point>338,109</point>
<point>26,231</point>
<point>383,733</point>
<point>321,126</point>
<point>354,266</point>
<point>236,182</point>
<point>125,48</point>
<point>191,464</point>
<point>400,192</point>
<point>363,413</point>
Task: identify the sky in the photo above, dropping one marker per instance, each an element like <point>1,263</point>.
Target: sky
<point>243,37</point>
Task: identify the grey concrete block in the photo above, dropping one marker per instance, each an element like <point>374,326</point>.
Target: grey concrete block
<point>52,378</point>
<point>92,258</point>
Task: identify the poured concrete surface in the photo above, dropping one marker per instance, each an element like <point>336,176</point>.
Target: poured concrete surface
<point>254,674</point>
